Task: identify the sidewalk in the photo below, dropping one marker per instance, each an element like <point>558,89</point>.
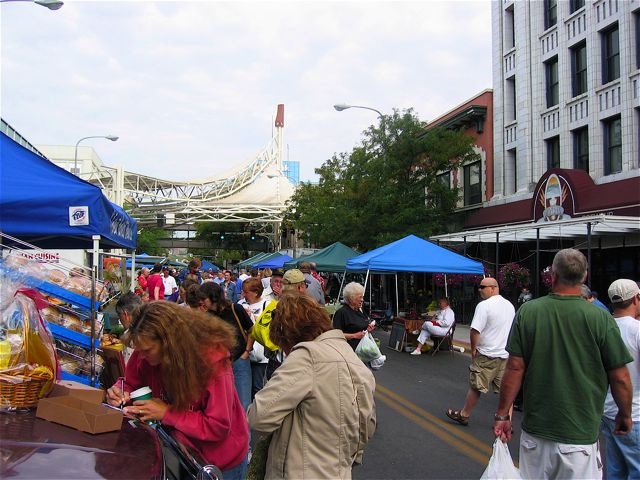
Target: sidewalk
<point>461,337</point>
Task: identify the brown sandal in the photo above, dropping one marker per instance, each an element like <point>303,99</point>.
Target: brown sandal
<point>458,417</point>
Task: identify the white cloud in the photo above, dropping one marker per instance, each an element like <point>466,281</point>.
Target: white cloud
<point>191,88</point>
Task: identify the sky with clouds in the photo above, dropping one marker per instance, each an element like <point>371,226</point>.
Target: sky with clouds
<point>191,88</point>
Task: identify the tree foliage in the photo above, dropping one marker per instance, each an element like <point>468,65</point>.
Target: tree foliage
<point>385,189</point>
<point>148,241</point>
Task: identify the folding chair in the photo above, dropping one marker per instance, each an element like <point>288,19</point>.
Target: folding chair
<point>439,341</point>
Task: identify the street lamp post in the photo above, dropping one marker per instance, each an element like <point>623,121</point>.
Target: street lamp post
<point>50,4</point>
<point>343,106</point>
<point>113,138</point>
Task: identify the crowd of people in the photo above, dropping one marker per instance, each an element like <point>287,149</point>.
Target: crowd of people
<point>575,364</point>
<point>190,337</point>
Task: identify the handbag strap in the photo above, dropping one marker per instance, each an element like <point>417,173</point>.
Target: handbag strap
<point>244,334</point>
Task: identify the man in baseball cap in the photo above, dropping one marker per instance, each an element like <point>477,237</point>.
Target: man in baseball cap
<point>294,281</point>
<point>623,460</point>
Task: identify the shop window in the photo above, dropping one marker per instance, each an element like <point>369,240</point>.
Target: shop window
<point>472,184</point>
<point>550,13</point>
<point>575,5</point>
<point>612,145</point>
<point>552,82</point>
<point>579,69</point>
<point>553,152</point>
<point>581,149</point>
<point>610,55</point>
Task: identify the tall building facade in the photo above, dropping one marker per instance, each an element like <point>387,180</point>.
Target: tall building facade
<point>566,80</point>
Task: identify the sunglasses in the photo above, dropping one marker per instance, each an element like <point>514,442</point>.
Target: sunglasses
<point>482,287</point>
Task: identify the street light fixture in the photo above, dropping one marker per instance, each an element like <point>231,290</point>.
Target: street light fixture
<point>113,138</point>
<point>50,4</point>
<point>343,106</point>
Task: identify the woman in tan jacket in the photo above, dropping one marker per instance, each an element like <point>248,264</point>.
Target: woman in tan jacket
<point>321,397</point>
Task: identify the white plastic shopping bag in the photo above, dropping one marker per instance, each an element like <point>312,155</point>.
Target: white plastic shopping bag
<point>367,349</point>
<point>500,466</point>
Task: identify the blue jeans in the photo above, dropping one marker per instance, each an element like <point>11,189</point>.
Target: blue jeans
<point>258,374</point>
<point>236,473</point>
<point>623,460</point>
<point>242,374</point>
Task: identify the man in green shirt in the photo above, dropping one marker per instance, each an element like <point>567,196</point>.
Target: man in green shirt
<point>565,352</point>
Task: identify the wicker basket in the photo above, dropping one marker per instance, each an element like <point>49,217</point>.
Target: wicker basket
<point>20,391</point>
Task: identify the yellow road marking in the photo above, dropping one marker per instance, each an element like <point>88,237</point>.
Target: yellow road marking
<point>468,444</point>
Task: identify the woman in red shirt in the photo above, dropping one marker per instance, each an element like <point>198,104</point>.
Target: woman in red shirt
<point>183,356</point>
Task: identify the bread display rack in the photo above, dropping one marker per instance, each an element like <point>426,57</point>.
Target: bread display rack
<point>74,297</point>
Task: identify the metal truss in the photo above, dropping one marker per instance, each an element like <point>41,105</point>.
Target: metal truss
<point>150,200</point>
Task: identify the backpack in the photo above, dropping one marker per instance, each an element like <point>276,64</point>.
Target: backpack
<point>260,331</point>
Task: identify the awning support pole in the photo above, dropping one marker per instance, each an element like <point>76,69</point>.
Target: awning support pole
<point>497,253</point>
<point>94,313</point>
<point>537,293</point>
<point>397,299</point>
<point>446,291</point>
<point>589,254</point>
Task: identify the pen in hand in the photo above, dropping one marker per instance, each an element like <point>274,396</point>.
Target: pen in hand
<point>122,391</point>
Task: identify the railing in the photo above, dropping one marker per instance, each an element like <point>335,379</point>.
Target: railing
<point>509,62</point>
<point>510,135</point>
<point>551,119</point>
<point>578,108</point>
<point>605,9</point>
<point>549,41</point>
<point>609,96</point>
<point>576,24</point>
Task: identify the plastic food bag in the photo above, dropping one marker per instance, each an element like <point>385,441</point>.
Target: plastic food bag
<point>500,466</point>
<point>367,349</point>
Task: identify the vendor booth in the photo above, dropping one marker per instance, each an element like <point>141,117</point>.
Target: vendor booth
<point>44,206</point>
<point>330,259</point>
<point>275,260</point>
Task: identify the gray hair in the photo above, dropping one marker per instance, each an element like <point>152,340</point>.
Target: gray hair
<point>351,290</point>
<point>585,291</point>
<point>570,267</point>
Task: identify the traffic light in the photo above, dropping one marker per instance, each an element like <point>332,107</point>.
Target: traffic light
<point>221,235</point>
<point>253,234</point>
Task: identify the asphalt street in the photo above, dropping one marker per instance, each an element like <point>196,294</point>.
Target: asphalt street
<point>414,438</point>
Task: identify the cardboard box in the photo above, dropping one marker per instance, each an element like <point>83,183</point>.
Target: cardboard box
<point>79,414</point>
<point>68,388</point>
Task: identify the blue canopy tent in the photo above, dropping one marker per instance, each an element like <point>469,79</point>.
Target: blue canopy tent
<point>206,265</point>
<point>276,261</point>
<point>413,254</point>
<point>46,206</point>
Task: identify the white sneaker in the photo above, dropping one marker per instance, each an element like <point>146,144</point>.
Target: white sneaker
<point>416,352</point>
<point>416,332</point>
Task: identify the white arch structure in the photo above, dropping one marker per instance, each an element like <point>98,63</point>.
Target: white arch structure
<point>253,192</point>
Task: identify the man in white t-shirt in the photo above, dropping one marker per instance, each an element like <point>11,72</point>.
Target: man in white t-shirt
<point>623,460</point>
<point>488,334</point>
<point>169,282</point>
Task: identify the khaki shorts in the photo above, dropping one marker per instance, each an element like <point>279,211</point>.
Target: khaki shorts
<point>485,371</point>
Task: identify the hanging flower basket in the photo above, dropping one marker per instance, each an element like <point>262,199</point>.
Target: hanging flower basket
<point>513,276</point>
<point>545,277</point>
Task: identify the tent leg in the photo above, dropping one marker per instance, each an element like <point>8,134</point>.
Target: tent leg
<point>397,298</point>
<point>446,290</point>
<point>344,276</point>
<point>94,272</point>
<point>132,288</point>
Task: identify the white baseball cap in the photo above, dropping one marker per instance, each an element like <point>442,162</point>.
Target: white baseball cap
<point>623,289</point>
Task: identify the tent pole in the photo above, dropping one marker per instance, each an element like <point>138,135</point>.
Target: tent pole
<point>446,291</point>
<point>341,286</point>
<point>497,253</point>
<point>133,271</point>
<point>397,299</point>
<point>94,272</point>
<point>537,262</point>
<point>589,254</point>
<point>366,280</point>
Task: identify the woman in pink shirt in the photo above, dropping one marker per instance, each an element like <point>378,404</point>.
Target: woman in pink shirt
<point>183,356</point>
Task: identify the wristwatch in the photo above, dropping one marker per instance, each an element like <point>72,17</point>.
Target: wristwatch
<point>501,418</point>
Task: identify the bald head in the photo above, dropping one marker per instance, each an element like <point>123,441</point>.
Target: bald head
<point>488,288</point>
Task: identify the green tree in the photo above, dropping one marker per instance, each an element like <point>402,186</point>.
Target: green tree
<point>148,241</point>
<point>385,189</point>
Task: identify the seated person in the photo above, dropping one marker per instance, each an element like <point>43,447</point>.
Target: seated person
<point>437,327</point>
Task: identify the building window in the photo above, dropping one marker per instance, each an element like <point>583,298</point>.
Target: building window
<point>550,13</point>
<point>445,179</point>
<point>579,69</point>
<point>472,184</point>
<point>610,55</point>
<point>581,149</point>
<point>551,75</point>
<point>553,152</point>
<point>575,5</point>
<point>636,18</point>
<point>509,29</point>
<point>612,145</point>
<point>510,100</point>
